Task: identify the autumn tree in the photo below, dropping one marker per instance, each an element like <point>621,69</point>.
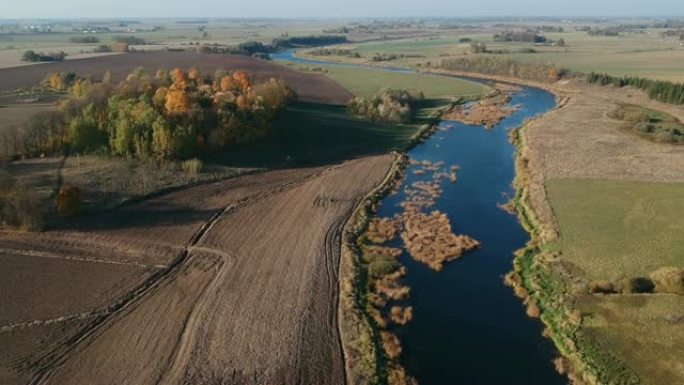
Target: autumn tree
<point>69,201</point>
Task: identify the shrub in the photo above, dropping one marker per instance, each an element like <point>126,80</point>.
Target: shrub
<point>668,280</point>
<point>378,269</point>
<point>602,287</point>
<point>638,285</point>
<point>192,166</point>
<point>69,201</point>
<point>19,207</point>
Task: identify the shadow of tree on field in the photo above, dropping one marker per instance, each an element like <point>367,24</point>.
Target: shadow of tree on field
<point>310,134</point>
<point>142,216</point>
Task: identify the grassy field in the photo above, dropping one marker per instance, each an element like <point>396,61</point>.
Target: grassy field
<point>611,228</point>
<point>366,82</point>
<point>644,331</point>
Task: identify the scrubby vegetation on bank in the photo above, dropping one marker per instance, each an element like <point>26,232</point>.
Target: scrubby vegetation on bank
<point>387,106</point>
<point>168,115</point>
<point>364,348</point>
<point>503,66</point>
<point>655,125</point>
<point>660,90</point>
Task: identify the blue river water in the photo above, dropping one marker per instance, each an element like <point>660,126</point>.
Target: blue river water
<point>468,328</point>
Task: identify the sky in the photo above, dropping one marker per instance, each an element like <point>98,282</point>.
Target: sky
<point>334,8</point>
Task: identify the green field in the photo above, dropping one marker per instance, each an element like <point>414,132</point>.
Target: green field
<point>365,82</point>
<point>611,228</point>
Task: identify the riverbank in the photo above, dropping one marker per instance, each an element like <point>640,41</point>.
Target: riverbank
<point>360,339</point>
<point>582,181</point>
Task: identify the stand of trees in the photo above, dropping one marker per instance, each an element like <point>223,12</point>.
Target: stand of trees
<point>168,115</point>
<point>335,52</point>
<point>659,90</point>
<point>84,39</point>
<point>33,56</point>
<point>130,40</point>
<point>261,50</point>
<point>387,106</point>
<point>393,56</point>
<point>304,41</point>
<point>503,66</point>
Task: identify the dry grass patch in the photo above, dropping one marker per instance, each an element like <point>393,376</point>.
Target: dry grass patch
<point>401,315</point>
<point>391,345</point>
<point>487,112</point>
<point>381,230</point>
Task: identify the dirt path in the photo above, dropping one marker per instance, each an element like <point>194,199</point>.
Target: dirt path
<point>251,297</point>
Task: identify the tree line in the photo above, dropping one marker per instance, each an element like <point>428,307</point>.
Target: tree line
<point>660,90</point>
<point>259,49</point>
<point>167,115</point>
<point>519,36</point>
<point>504,66</point>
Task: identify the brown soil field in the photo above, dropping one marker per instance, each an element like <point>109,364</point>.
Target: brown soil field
<point>234,281</point>
<point>62,286</point>
<point>309,87</point>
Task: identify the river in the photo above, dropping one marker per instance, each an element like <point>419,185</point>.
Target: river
<point>468,328</point>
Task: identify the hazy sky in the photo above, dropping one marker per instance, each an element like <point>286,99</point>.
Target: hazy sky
<point>335,8</point>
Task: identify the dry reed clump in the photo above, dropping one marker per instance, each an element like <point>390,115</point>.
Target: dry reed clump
<point>381,230</point>
<point>377,317</point>
<point>421,195</point>
<point>532,310</point>
<point>429,239</point>
<point>513,280</point>
<point>390,344</point>
<point>397,376</point>
<point>487,112</point>
<point>401,315</point>
<point>562,365</point>
<point>508,207</point>
<point>669,280</point>
<point>389,285</point>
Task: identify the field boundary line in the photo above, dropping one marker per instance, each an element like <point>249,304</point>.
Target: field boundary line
<point>42,254</point>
